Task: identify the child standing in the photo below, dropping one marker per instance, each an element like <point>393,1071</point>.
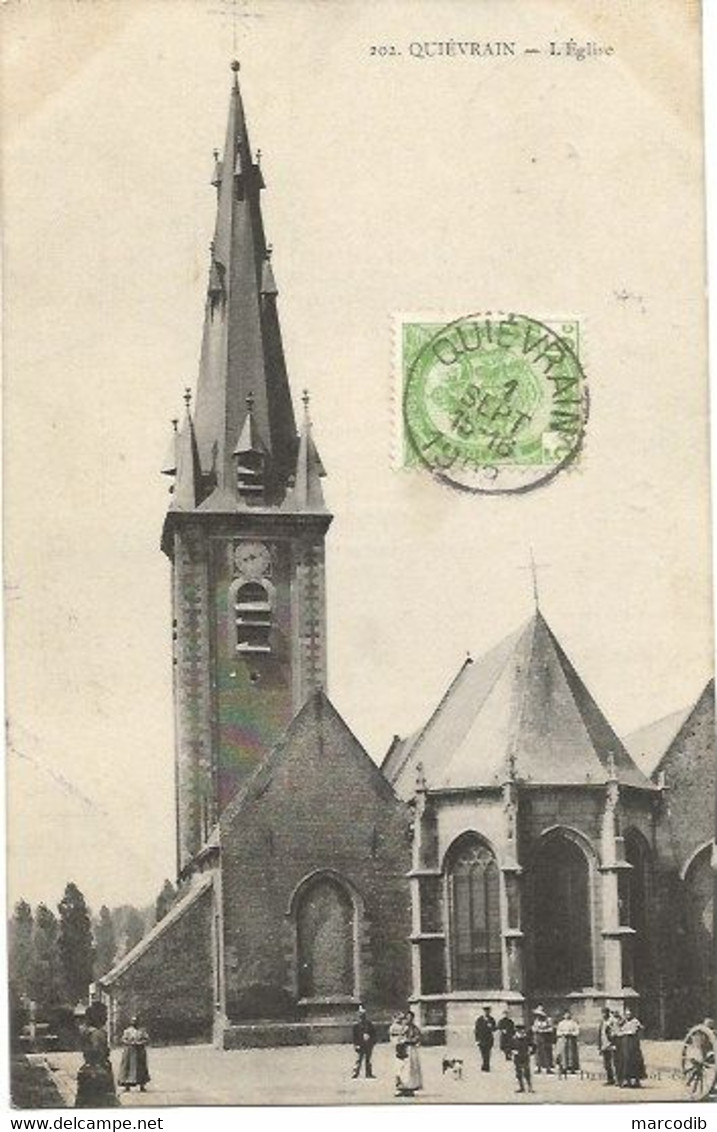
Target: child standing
<point>523,1047</point>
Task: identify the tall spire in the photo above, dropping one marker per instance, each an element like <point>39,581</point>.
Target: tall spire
<point>242,351</point>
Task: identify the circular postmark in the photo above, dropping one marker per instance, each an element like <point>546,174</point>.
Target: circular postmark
<point>493,402</point>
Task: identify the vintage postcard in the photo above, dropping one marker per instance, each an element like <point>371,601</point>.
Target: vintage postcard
<point>358,575</point>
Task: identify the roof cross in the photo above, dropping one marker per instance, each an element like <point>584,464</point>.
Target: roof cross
<point>234,11</point>
<point>533,567</point>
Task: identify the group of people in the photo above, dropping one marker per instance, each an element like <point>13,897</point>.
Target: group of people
<point>95,1078</point>
<point>547,1045</point>
<point>557,1046</point>
<point>552,1046</point>
<point>515,1042</point>
<point>405,1038</point>
<point>621,1049</point>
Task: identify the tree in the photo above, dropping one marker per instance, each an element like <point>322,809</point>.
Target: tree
<point>164,901</point>
<point>130,926</point>
<point>76,950</point>
<point>134,928</point>
<point>46,986</point>
<point>20,948</point>
<point>105,942</point>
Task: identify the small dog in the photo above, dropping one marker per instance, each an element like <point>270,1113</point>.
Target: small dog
<point>454,1066</point>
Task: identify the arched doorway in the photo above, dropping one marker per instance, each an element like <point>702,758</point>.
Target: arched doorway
<point>473,881</point>
<point>561,915</point>
<point>326,925</point>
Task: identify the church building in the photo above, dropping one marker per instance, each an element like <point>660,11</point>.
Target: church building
<point>512,851</point>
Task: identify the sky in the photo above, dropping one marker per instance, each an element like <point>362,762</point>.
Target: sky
<point>394,184</point>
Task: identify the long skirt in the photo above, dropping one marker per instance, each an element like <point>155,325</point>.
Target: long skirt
<point>543,1050</point>
<point>133,1066</point>
<point>408,1071</point>
<point>632,1061</point>
<point>567,1055</point>
<point>95,1087</point>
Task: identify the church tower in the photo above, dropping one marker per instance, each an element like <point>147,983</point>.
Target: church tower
<point>246,522</point>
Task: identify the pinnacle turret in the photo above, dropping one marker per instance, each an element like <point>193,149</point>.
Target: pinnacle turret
<point>187,487</point>
<point>307,493</point>
<point>169,467</point>
<point>268,282</point>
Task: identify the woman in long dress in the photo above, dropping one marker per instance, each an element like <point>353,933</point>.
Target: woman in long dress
<point>567,1054</point>
<point>409,1078</point>
<point>544,1039</point>
<point>133,1066</point>
<point>632,1062</point>
<point>95,1080</point>
<point>506,1028</point>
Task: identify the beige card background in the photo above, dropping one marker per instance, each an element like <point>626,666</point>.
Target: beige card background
<point>537,184</point>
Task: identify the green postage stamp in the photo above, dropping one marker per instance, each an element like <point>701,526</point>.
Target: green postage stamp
<point>491,402</point>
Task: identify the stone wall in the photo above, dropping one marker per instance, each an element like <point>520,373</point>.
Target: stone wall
<point>687,824</point>
<point>170,984</point>
<point>319,806</point>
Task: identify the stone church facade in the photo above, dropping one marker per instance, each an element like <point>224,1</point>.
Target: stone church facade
<point>511,851</point>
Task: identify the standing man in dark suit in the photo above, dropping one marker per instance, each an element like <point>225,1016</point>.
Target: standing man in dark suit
<point>485,1036</point>
<point>364,1037</point>
<point>606,1044</point>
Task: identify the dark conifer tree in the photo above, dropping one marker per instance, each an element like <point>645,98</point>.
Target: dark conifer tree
<point>46,976</point>
<point>76,947</point>
<point>105,942</point>
<point>135,928</point>
<point>20,948</point>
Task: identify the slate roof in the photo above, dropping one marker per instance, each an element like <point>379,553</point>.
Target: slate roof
<point>242,354</point>
<point>648,744</point>
<point>522,705</point>
<point>702,713</point>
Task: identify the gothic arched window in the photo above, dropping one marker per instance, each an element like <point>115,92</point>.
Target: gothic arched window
<point>474,903</point>
<point>252,617</point>
<point>562,956</point>
<point>326,926</point>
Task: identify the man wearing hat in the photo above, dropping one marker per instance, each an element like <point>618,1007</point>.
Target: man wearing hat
<point>485,1036</point>
<point>364,1038</point>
